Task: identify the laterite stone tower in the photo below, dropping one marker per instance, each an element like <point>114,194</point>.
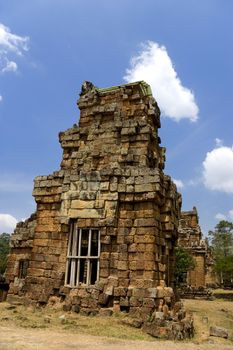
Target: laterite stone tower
<point>106,223</point>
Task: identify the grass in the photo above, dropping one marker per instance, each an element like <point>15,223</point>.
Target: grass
<point>222,291</point>
<point>210,313</point>
<point>29,317</point>
<point>206,314</point>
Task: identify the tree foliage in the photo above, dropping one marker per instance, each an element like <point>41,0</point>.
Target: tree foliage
<point>221,241</point>
<point>4,250</point>
<point>184,263</point>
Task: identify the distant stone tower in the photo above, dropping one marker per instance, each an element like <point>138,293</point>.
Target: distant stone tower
<point>191,239</point>
<point>106,223</point>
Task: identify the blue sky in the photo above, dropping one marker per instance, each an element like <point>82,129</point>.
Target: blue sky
<point>184,49</point>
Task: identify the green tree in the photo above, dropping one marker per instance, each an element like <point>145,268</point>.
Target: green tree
<point>4,250</point>
<point>184,263</point>
<point>221,242</point>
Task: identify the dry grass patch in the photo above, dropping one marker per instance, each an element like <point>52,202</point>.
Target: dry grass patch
<point>222,291</point>
<point>211,313</point>
<point>217,312</point>
<point>57,319</point>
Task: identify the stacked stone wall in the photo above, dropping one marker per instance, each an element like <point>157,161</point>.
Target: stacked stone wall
<point>21,245</point>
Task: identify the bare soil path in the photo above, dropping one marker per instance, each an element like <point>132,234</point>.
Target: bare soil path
<point>14,338</point>
<point>49,328</point>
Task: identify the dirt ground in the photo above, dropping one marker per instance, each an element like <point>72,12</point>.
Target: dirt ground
<point>51,329</point>
<point>24,339</point>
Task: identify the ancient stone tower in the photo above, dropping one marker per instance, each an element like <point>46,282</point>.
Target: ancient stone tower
<point>191,239</point>
<point>106,222</point>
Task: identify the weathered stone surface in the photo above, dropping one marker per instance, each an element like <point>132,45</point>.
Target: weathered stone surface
<point>76,308</point>
<point>132,322</point>
<point>105,312</point>
<point>111,181</point>
<point>173,330</point>
<point>157,332</point>
<point>67,307</point>
<point>219,332</point>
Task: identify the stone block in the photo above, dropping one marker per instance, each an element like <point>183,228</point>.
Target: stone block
<point>144,239</point>
<point>122,248</point>
<point>109,290</point>
<point>151,222</point>
<point>151,293</point>
<point>80,204</point>
<point>218,332</point>
<point>125,223</point>
<point>105,312</point>
<point>103,299</point>
<point>149,256</point>
<point>86,213</point>
<point>149,302</point>
<point>168,292</point>
<point>144,187</point>
<point>123,281</point>
<point>132,247</point>
<point>160,292</point>
<point>122,265</point>
<point>132,322</point>
<point>139,292</point>
<point>120,292</point>
<point>135,302</point>
<point>113,281</point>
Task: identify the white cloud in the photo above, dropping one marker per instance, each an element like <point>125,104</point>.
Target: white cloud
<point>7,223</point>
<point>179,183</point>
<point>154,65</point>
<point>218,169</point>
<point>1,98</point>
<point>194,182</point>
<point>219,142</point>
<point>228,216</point>
<point>231,214</point>
<point>10,44</point>
<point>220,216</point>
<point>10,66</point>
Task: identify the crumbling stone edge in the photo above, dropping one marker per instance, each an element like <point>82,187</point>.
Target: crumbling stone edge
<point>155,310</point>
